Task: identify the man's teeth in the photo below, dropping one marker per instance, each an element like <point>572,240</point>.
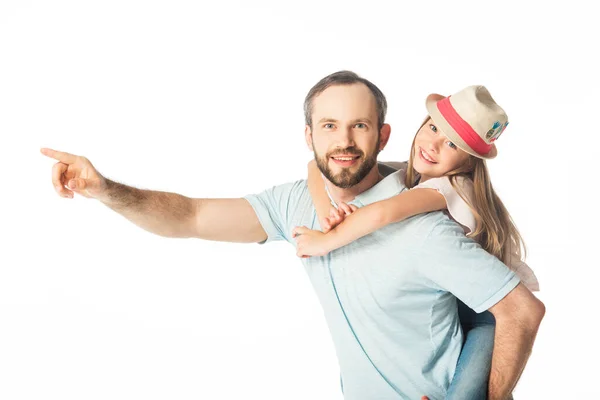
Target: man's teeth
<point>344,158</point>
<point>425,156</point>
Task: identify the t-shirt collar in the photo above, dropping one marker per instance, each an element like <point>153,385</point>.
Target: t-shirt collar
<point>389,186</point>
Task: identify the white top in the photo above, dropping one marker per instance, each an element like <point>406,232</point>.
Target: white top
<point>460,211</point>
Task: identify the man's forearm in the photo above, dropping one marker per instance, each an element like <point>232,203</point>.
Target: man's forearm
<point>162,213</point>
<point>513,343</point>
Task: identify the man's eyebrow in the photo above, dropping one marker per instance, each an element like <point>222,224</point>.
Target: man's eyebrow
<point>355,121</point>
<point>327,120</point>
<point>367,120</point>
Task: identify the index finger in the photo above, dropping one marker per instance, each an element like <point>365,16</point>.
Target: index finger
<point>61,156</point>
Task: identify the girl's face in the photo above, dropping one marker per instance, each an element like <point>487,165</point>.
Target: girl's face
<point>434,155</point>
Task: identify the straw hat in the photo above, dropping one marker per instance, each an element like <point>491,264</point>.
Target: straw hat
<point>470,118</point>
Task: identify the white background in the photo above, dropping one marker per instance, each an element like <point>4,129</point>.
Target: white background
<point>205,99</point>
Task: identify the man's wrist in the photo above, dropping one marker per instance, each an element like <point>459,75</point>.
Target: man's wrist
<point>107,187</point>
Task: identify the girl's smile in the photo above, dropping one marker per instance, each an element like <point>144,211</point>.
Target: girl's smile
<point>434,154</point>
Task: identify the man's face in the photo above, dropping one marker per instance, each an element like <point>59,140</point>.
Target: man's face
<point>344,136</point>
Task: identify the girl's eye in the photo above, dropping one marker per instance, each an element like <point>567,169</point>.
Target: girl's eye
<point>433,127</point>
<point>452,145</point>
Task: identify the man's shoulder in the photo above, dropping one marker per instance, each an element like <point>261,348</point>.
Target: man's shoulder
<point>389,167</point>
<point>442,232</point>
<point>427,224</point>
<point>296,190</point>
<point>287,195</point>
<point>281,207</point>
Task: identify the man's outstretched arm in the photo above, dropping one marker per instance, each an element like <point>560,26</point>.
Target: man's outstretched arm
<point>162,213</point>
<point>518,317</point>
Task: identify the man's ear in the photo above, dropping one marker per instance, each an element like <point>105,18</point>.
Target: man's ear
<point>384,135</point>
<point>308,137</point>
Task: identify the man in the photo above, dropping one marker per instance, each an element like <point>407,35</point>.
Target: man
<point>387,296</point>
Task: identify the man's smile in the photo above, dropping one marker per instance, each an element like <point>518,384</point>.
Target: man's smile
<point>345,160</point>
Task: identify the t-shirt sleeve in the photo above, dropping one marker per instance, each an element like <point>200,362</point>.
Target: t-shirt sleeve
<point>458,208</point>
<point>525,273</point>
<point>273,206</point>
<point>459,265</point>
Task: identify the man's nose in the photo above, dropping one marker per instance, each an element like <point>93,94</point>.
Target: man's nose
<point>345,137</point>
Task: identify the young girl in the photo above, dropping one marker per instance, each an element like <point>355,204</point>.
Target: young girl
<point>446,171</point>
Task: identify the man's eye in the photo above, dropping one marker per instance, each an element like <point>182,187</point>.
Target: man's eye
<point>452,145</point>
<point>328,126</point>
<point>360,126</point>
<point>433,127</point>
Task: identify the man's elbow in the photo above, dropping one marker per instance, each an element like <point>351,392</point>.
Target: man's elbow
<point>520,308</point>
<point>532,314</point>
<point>537,310</point>
<point>191,223</point>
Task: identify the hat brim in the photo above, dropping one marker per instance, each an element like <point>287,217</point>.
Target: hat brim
<point>440,122</point>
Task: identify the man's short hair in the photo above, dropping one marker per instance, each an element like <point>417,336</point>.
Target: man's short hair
<point>344,78</point>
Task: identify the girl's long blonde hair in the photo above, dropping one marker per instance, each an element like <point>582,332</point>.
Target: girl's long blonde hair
<point>495,231</point>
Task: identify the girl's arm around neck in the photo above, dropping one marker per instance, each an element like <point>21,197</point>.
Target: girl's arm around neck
<point>375,216</point>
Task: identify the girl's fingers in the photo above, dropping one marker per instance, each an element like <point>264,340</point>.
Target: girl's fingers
<point>326,225</point>
<point>299,230</point>
<point>346,208</point>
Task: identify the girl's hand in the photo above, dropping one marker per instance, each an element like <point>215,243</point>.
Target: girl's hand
<point>310,242</point>
<point>330,222</point>
<point>337,215</point>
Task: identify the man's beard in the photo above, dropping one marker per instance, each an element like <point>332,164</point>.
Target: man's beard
<point>346,179</point>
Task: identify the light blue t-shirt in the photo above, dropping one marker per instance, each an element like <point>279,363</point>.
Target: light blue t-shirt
<point>389,297</point>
